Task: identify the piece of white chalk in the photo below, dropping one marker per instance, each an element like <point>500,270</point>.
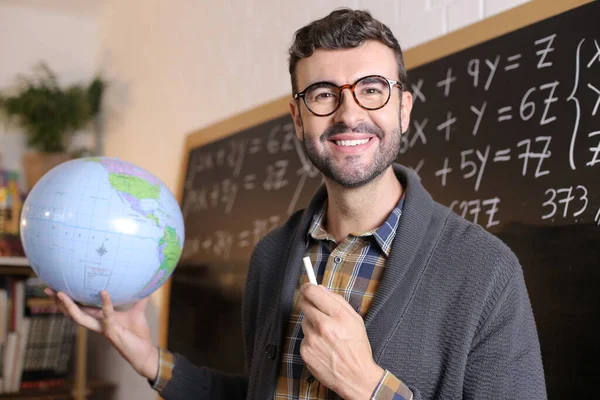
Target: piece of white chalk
<point>310,271</point>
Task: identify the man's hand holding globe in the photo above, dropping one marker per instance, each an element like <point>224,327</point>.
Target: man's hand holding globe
<point>128,330</point>
<point>101,232</point>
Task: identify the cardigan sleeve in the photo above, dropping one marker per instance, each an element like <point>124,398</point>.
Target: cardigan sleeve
<point>505,359</point>
<point>191,382</point>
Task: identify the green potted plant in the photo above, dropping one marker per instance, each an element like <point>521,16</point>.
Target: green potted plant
<point>49,115</point>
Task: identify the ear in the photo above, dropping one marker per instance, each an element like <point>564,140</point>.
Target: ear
<point>295,111</point>
<point>405,109</point>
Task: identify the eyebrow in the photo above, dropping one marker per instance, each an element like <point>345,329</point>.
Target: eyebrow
<point>321,84</point>
<point>329,82</point>
<point>371,79</point>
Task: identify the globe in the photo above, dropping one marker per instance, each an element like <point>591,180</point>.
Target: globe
<point>99,223</point>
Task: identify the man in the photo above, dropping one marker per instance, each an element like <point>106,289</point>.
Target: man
<point>412,302</point>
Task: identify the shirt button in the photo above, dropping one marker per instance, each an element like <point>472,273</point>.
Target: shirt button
<point>270,351</point>
<point>310,379</point>
<point>338,259</point>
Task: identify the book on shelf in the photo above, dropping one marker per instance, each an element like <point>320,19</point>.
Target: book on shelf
<point>37,351</point>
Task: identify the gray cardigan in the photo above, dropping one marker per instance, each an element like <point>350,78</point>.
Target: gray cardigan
<point>452,317</point>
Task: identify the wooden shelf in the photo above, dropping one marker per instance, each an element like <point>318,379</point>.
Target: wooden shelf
<point>14,261</point>
<point>15,266</point>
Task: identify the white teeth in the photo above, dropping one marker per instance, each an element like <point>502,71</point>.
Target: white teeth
<point>351,142</point>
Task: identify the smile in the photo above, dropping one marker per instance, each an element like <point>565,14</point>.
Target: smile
<point>346,144</point>
<point>351,142</point>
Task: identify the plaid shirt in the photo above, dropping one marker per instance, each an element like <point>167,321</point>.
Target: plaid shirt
<point>353,269</point>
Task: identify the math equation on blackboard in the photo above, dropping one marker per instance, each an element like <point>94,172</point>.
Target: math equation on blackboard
<point>513,134</point>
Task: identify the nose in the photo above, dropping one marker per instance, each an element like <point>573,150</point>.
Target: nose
<point>349,112</point>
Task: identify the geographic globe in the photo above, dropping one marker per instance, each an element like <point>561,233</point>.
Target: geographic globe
<point>99,223</point>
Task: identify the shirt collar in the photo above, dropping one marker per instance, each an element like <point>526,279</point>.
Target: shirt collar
<point>317,230</point>
<point>384,235</point>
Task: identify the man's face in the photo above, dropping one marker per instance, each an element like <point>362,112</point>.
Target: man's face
<point>353,145</point>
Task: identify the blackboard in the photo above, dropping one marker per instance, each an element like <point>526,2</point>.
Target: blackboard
<point>506,133</point>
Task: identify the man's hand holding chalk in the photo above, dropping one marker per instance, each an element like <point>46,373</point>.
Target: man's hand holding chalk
<point>310,271</point>
<point>335,347</point>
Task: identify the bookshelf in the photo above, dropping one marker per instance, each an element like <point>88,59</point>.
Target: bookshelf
<point>15,266</point>
<point>80,388</point>
<point>14,261</point>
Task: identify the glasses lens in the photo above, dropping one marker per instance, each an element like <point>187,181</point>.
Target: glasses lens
<point>322,98</point>
<point>372,92</point>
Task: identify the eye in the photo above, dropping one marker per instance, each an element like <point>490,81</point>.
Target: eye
<point>372,86</point>
<point>324,95</point>
<point>322,92</point>
<point>372,90</point>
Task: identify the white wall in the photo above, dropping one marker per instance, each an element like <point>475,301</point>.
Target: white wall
<point>176,66</point>
<point>28,34</point>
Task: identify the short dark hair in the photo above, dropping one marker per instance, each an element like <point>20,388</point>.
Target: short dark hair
<point>342,29</point>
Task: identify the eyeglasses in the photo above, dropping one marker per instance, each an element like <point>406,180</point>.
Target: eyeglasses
<point>371,92</point>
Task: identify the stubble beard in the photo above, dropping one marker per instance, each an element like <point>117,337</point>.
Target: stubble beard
<point>353,173</point>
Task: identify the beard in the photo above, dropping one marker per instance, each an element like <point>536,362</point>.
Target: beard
<point>353,173</point>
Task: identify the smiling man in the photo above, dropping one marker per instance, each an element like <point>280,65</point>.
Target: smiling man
<point>413,302</point>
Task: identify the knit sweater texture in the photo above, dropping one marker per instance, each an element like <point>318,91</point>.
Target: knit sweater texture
<point>452,318</point>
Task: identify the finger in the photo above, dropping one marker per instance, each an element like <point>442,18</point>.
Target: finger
<point>52,295</point>
<point>57,302</point>
<point>108,315</point>
<point>344,303</point>
<point>307,346</point>
<point>310,333</point>
<point>308,328</point>
<point>322,299</point>
<point>311,312</point>
<point>73,311</point>
<point>107,305</point>
<point>93,311</point>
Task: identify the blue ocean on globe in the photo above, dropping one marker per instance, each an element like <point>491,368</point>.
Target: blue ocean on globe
<point>99,223</point>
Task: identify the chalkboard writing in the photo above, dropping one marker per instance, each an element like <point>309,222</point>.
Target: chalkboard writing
<point>514,124</point>
<point>505,133</point>
<point>240,188</point>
